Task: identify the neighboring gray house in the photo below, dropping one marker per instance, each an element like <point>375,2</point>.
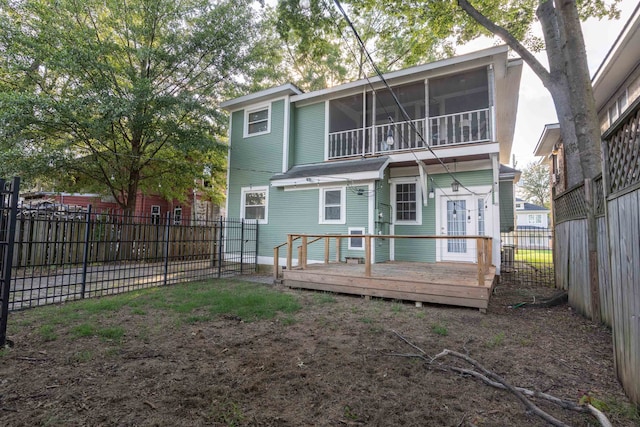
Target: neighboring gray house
<point>346,160</point>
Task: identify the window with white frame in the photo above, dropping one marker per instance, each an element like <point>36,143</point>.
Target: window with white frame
<point>255,202</point>
<point>535,219</point>
<point>155,214</point>
<point>257,121</point>
<point>177,215</point>
<point>618,107</point>
<point>332,206</point>
<point>407,202</point>
<point>356,243</point>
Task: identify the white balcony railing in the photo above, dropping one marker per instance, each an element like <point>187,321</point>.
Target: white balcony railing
<point>460,128</point>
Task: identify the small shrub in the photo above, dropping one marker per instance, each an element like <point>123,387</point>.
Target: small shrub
<point>439,329</point>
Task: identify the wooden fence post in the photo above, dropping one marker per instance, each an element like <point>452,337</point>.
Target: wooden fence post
<point>367,255</point>
<point>592,243</point>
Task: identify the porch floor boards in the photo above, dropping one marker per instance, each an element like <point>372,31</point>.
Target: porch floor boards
<point>440,283</point>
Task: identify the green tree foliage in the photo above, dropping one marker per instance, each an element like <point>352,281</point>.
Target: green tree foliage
<point>321,50</point>
<point>534,184</point>
<point>417,31</point>
<point>116,97</point>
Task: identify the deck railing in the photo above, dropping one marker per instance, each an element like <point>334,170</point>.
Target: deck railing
<point>484,250</point>
<point>450,129</point>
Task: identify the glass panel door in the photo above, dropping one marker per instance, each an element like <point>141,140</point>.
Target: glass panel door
<point>456,225</point>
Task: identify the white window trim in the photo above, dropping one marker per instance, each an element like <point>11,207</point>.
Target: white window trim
<point>248,111</point>
<point>246,190</point>
<point>409,180</point>
<point>343,206</point>
<point>362,231</point>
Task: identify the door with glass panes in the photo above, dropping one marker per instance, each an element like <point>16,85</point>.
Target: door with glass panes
<point>464,215</point>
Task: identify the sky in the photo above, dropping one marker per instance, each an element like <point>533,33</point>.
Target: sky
<point>535,106</point>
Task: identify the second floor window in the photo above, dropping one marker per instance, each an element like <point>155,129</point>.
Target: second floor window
<point>257,121</point>
<point>535,219</point>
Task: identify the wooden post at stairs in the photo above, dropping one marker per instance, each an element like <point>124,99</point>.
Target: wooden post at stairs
<point>289,251</point>
<point>276,256</point>
<point>337,249</point>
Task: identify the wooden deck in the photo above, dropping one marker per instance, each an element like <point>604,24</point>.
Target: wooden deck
<point>440,283</point>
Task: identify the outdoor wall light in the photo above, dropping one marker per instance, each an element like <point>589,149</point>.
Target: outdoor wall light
<point>360,191</point>
<point>455,186</point>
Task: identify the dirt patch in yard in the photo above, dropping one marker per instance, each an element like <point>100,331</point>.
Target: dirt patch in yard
<point>329,364</point>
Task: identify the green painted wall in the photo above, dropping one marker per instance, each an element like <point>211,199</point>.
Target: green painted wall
<point>308,135</point>
<point>253,160</point>
<point>425,251</point>
<point>382,205</point>
<point>298,212</point>
<point>506,206</point>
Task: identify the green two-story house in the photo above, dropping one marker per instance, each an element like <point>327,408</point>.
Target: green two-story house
<point>421,159</point>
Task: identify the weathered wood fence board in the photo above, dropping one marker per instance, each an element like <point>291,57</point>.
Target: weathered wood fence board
<point>624,224</point>
<point>606,291</point>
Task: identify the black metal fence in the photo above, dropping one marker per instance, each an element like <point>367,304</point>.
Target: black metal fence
<point>527,256</point>
<point>8,210</point>
<point>59,256</point>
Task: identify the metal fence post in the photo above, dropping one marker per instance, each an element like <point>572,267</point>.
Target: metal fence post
<point>8,254</point>
<point>242,246</point>
<point>166,248</point>
<point>220,252</point>
<point>255,268</point>
<point>85,255</point>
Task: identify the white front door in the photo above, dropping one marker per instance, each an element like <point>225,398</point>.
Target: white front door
<point>464,215</point>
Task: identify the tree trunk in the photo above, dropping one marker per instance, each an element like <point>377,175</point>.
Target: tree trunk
<point>583,104</point>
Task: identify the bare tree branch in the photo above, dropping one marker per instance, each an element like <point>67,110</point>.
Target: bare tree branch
<point>505,35</point>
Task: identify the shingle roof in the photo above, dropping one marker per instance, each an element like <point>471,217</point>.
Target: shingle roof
<point>333,168</point>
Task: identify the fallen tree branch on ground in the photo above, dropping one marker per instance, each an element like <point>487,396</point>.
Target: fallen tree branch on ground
<point>494,380</point>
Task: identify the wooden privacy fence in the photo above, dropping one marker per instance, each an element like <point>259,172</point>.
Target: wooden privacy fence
<point>41,240</point>
<point>483,249</point>
<point>614,200</point>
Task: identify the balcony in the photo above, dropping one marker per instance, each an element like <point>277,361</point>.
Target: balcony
<point>437,131</point>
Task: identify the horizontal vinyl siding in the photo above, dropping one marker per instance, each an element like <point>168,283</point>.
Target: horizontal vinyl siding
<point>309,134</point>
<point>253,160</point>
<point>382,205</point>
<point>425,250</point>
<point>298,211</point>
<point>506,206</point>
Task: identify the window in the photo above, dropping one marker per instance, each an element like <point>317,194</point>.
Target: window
<point>407,200</point>
<point>535,219</point>
<point>177,215</point>
<point>332,206</point>
<point>257,121</point>
<point>155,214</point>
<point>255,203</point>
<point>356,243</point>
<point>618,107</point>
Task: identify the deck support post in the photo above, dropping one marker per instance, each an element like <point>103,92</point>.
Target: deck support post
<point>303,253</point>
<point>289,251</point>
<point>326,250</point>
<point>489,253</point>
<point>337,249</point>
<point>367,256</point>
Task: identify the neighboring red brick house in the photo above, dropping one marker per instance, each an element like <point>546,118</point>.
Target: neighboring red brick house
<point>154,207</point>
